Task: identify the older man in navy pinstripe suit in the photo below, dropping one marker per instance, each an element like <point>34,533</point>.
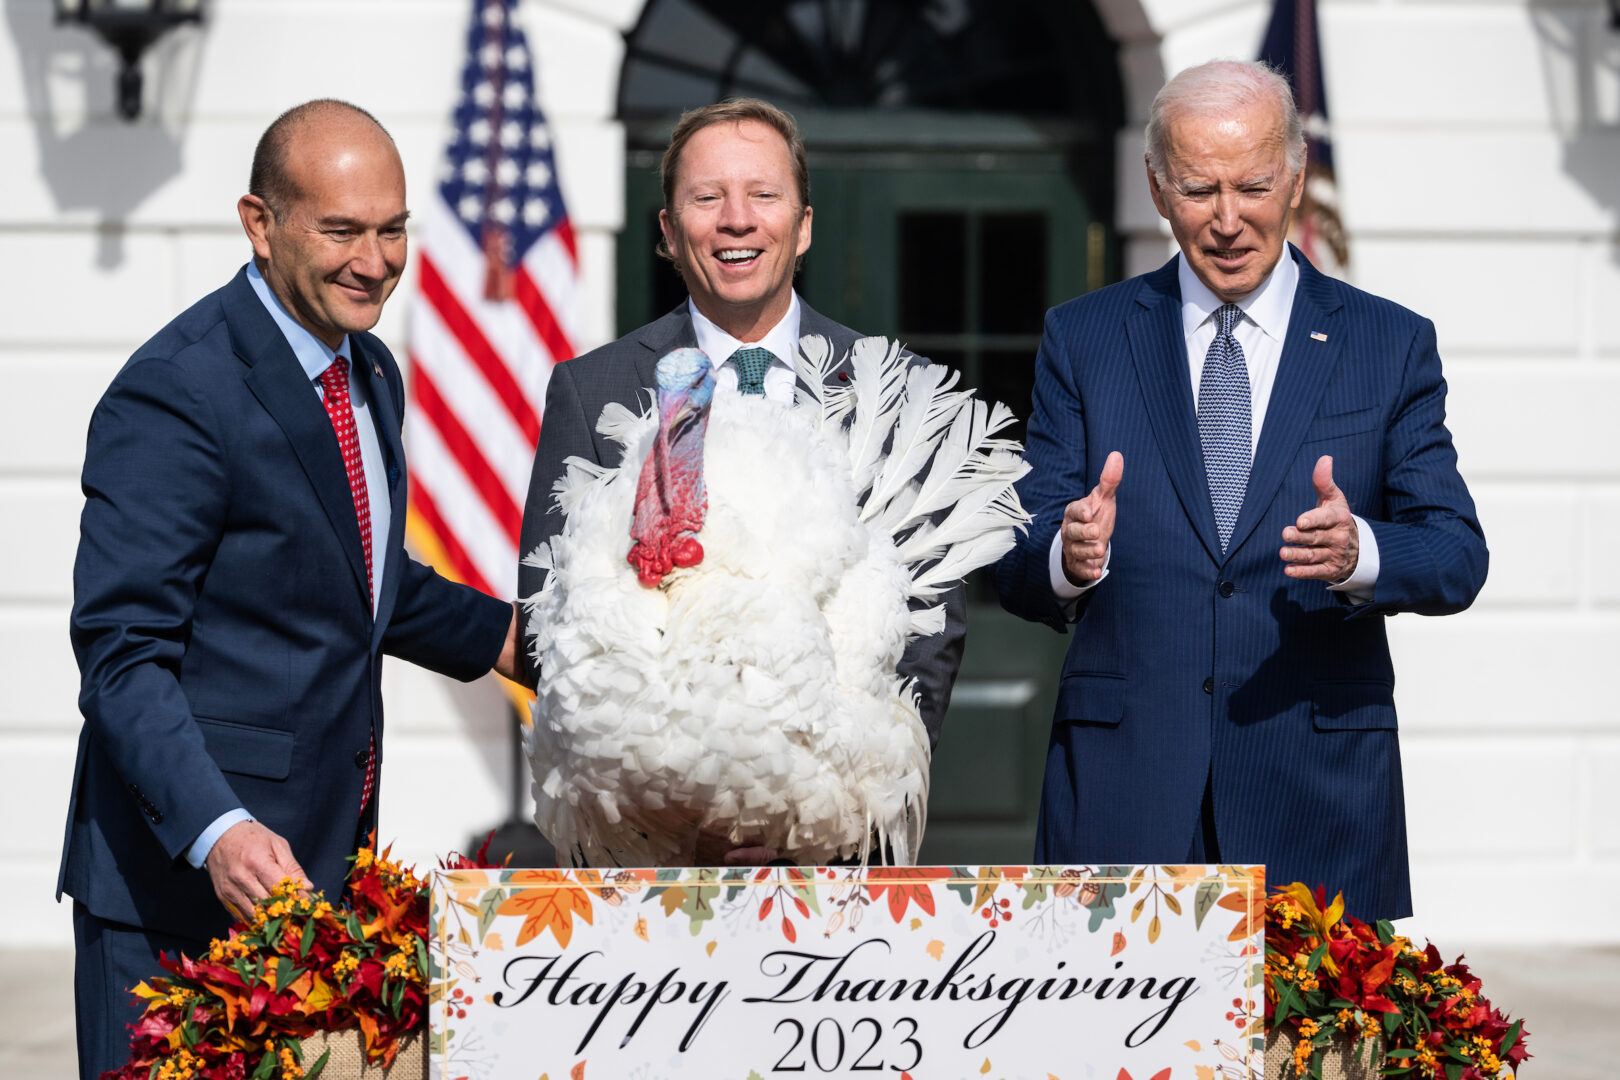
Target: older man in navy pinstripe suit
<point>1228,694</point>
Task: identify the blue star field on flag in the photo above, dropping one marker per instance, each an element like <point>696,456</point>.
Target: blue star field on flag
<point>500,173</point>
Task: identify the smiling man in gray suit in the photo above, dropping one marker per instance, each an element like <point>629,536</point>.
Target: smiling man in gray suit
<point>736,222</point>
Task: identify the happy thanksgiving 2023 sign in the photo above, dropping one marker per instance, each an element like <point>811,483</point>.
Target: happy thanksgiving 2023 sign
<point>1150,972</point>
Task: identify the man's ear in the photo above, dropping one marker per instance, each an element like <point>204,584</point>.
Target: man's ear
<point>256,221</point>
<point>666,225</point>
<point>1155,191</point>
<point>804,233</point>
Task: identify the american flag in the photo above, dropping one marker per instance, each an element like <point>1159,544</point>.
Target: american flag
<point>499,295</point>
<point>1293,46</point>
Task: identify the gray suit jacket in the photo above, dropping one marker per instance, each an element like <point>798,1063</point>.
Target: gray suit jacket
<point>622,371</point>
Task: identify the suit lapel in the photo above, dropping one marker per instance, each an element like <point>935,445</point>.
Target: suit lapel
<point>1159,350</point>
<point>662,336</point>
<point>1302,377</point>
<point>275,378</point>
<point>387,422</point>
<point>841,338</point>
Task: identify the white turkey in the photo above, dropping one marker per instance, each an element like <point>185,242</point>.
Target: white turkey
<point>739,679</point>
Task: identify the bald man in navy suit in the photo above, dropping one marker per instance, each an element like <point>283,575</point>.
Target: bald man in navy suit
<point>240,576</point>
<point>1240,466</point>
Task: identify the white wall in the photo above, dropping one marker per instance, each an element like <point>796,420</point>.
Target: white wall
<point>1478,147</point>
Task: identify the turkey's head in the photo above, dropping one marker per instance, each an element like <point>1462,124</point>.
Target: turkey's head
<point>670,496</point>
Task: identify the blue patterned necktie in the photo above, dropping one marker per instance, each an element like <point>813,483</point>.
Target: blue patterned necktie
<point>1224,419</point>
<point>752,364</point>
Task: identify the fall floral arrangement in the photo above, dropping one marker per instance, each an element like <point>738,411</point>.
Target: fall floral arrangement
<point>296,966</point>
<point>1329,975</point>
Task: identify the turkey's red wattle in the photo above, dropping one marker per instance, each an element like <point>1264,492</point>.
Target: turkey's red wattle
<point>671,499</point>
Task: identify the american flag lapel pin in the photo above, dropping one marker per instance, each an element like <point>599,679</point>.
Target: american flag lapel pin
<point>376,368</point>
<point>1317,335</point>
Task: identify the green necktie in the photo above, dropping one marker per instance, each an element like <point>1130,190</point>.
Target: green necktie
<point>752,364</point>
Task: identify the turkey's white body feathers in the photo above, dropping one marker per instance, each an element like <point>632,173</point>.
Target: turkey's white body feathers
<point>755,694</point>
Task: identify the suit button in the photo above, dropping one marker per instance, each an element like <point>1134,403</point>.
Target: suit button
<point>1209,686</point>
<point>156,816</point>
<point>1226,588</point>
<point>360,757</point>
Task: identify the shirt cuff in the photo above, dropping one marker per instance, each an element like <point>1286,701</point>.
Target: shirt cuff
<point>1065,590</point>
<point>197,853</point>
<point>1358,587</point>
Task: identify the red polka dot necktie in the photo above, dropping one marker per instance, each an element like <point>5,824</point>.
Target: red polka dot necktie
<point>335,385</point>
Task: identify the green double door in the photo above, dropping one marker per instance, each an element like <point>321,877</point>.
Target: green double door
<point>959,255</point>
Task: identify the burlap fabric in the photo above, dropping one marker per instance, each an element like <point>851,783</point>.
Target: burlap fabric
<point>348,1060</point>
<point>1338,1060</point>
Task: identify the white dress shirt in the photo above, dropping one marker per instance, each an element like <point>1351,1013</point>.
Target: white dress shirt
<point>314,357</point>
<point>782,341</point>
<point>1261,332</point>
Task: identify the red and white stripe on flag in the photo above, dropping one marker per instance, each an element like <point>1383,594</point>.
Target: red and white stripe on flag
<point>496,307</point>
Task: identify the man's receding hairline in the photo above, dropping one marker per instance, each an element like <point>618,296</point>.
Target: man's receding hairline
<point>270,179</point>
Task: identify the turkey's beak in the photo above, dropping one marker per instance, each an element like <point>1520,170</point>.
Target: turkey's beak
<point>684,416</point>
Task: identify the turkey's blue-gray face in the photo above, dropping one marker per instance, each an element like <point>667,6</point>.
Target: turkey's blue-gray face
<point>670,496</point>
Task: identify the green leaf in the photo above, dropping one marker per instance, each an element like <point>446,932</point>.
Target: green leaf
<point>352,924</point>
<point>421,956</point>
<point>1453,1071</point>
<point>306,939</point>
<point>1316,958</point>
<point>286,973</point>
<point>1288,1001</point>
<point>320,1063</point>
<point>1401,1054</point>
<point>1510,1039</point>
<point>488,910</point>
<point>1033,894</point>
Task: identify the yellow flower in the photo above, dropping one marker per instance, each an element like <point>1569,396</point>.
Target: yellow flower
<point>363,858</point>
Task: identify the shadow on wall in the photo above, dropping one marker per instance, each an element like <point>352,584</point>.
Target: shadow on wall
<point>1580,58</point>
<point>90,158</point>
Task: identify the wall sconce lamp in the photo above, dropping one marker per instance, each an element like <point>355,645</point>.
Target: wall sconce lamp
<point>130,26</point>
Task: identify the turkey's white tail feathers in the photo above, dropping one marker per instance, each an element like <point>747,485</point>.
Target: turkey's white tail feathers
<point>965,446</point>
<point>923,419</point>
<point>879,373</point>
<point>814,364</point>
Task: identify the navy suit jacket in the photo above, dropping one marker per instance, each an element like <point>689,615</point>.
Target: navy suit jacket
<point>225,638</point>
<point>1187,663</point>
<point>622,371</point>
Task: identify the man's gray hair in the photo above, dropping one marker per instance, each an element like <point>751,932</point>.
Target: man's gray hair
<point>1217,88</point>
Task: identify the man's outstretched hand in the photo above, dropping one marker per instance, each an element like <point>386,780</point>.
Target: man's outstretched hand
<point>1088,525</point>
<point>1323,544</point>
<point>246,863</point>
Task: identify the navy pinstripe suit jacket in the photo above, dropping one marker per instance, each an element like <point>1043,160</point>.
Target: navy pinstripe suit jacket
<point>1188,664</point>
